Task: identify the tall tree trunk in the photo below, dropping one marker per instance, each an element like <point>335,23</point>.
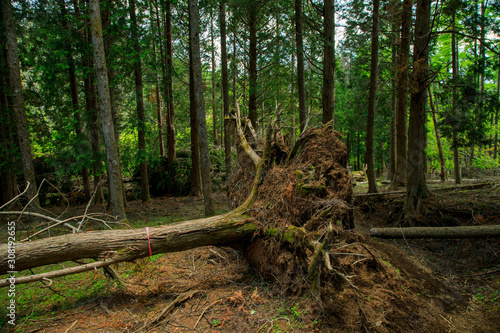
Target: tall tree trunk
<point>18,101</point>
<point>495,147</point>
<point>112,156</point>
<point>372,102</point>
<point>329,62</point>
<point>139,95</point>
<point>301,89</point>
<point>214,101</point>
<point>392,133</point>
<point>169,90</point>
<point>8,180</point>
<point>442,174</point>
<point>108,41</point>
<point>159,102</point>
<point>234,65</point>
<point>195,142</point>
<point>194,41</point>
<point>75,102</point>
<point>225,89</point>
<point>392,149</point>
<point>92,115</point>
<point>417,136</point>
<point>252,68</point>
<point>454,65</point>
<point>402,96</point>
<point>482,50</point>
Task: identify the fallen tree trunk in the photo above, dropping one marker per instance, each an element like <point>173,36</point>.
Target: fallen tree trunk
<point>438,232</point>
<point>217,230</point>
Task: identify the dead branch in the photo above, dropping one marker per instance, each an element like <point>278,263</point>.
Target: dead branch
<point>64,272</point>
<point>438,232</point>
<point>57,222</point>
<point>243,141</point>
<point>179,300</point>
<point>16,197</point>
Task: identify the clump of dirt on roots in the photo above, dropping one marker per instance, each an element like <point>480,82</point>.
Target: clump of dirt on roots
<point>362,286</point>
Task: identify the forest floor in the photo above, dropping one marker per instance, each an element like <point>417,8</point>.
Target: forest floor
<point>437,285</point>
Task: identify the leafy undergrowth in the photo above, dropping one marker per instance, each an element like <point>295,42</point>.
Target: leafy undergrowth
<point>395,286</point>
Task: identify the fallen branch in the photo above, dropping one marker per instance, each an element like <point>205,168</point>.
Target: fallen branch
<point>438,232</point>
<point>199,318</point>
<point>57,222</point>
<point>63,272</point>
<point>438,189</point>
<point>179,300</point>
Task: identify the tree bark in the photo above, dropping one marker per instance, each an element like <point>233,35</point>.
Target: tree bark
<point>438,139</point>
<point>112,156</point>
<point>438,232</point>
<point>399,179</point>
<point>495,146</point>
<point>195,142</point>
<point>454,66</point>
<point>8,179</point>
<point>301,90</point>
<point>417,137</point>
<point>214,101</point>
<point>372,102</point>
<point>92,110</point>
<point>194,40</point>
<point>252,68</point>
<point>18,100</point>
<point>329,62</point>
<point>234,65</point>
<point>225,90</point>
<point>141,117</point>
<point>169,90</point>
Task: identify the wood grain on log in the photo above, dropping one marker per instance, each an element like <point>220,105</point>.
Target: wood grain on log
<point>438,232</point>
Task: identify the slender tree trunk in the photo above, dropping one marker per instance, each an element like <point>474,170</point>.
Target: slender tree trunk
<point>301,89</point>
<point>194,40</point>
<point>252,70</point>
<point>358,157</point>
<point>225,89</point>
<point>402,96</point>
<point>195,142</point>
<point>495,147</point>
<point>75,103</point>
<point>417,136</point>
<point>438,139</point>
<point>234,65</point>
<point>18,100</point>
<point>160,104</point>
<point>482,50</point>
<point>170,88</point>
<point>7,141</point>
<point>139,95</point>
<point>372,102</point>
<point>108,42</point>
<point>392,140</point>
<point>454,65</point>
<point>113,158</point>
<point>329,62</point>
<point>92,116</point>
<point>214,101</point>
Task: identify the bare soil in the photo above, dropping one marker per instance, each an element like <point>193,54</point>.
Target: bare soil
<point>393,286</point>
